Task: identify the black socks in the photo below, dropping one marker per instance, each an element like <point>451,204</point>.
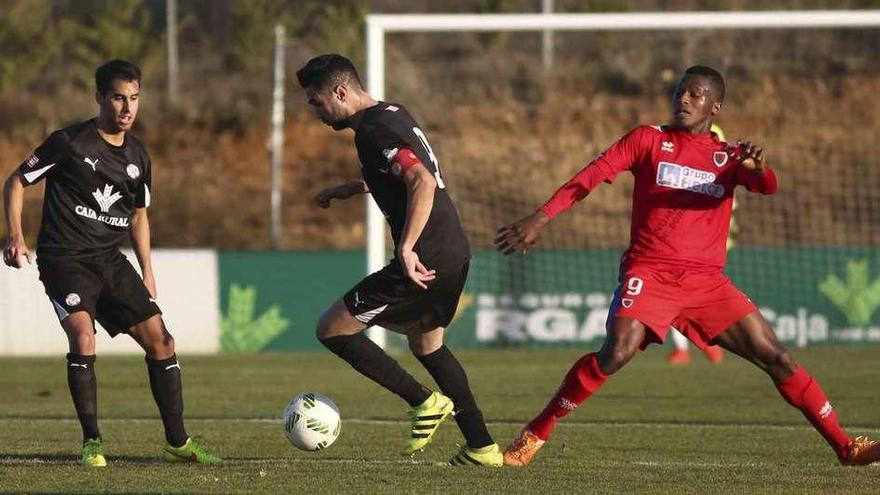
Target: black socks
<point>168,393</point>
<point>164,381</point>
<point>84,391</point>
<point>453,381</point>
<point>371,361</point>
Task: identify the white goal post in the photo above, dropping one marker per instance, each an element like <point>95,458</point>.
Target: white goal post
<point>379,24</point>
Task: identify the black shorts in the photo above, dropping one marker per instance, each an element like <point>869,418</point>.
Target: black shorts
<point>106,286</point>
<point>389,298</point>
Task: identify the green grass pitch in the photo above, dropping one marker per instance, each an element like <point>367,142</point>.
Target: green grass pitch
<point>651,429</point>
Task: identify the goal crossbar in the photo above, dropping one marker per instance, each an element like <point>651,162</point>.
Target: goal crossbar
<point>777,19</point>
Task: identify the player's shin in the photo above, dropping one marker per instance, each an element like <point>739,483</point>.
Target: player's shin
<point>453,381</point>
<point>803,392</point>
<point>583,380</point>
<point>371,361</point>
<point>84,392</point>
<point>167,390</point>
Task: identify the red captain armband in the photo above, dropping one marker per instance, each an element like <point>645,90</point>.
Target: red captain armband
<point>402,161</point>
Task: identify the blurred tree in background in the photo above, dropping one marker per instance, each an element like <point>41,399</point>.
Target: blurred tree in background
<point>27,43</point>
<point>94,31</point>
<point>326,26</point>
<point>490,108</point>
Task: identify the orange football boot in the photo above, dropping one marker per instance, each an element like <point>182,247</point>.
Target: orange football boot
<point>522,450</point>
<point>862,451</point>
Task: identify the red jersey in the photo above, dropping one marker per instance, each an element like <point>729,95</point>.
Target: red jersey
<point>682,198</point>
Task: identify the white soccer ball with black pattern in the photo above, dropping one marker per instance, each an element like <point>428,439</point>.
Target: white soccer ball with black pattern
<point>311,421</point>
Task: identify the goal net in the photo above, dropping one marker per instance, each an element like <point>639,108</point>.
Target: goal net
<point>508,129</point>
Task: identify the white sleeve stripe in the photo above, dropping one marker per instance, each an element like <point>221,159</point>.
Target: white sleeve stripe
<point>35,174</point>
<point>146,195</point>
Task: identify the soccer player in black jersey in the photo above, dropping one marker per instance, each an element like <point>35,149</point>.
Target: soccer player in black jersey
<point>417,293</point>
<point>98,179</point>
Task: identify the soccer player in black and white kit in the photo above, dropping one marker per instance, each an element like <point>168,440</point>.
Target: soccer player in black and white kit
<point>417,293</point>
<point>98,179</point>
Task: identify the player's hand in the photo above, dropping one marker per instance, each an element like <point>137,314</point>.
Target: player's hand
<point>750,156</point>
<point>522,234</point>
<point>322,200</point>
<point>150,283</point>
<point>343,191</point>
<point>16,253</point>
<point>414,268</point>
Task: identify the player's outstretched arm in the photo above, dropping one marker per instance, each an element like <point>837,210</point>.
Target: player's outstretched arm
<point>140,242</point>
<point>343,191</point>
<point>522,234</point>
<point>624,154</point>
<point>15,252</point>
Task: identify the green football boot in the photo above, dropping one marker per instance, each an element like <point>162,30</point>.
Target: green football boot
<point>191,451</point>
<point>93,453</point>
<point>488,456</point>
<point>426,417</point>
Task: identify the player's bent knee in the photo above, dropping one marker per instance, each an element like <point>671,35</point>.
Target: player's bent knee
<point>425,345</point>
<point>82,343</point>
<point>327,327</point>
<point>620,357</point>
<point>783,360</point>
<point>337,321</point>
<point>80,333</point>
<point>322,328</point>
<point>615,358</point>
<point>168,343</point>
<point>621,352</point>
<point>154,338</point>
<point>161,347</point>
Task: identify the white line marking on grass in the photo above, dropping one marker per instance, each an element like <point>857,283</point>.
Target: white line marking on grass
<point>575,424</point>
<point>706,465</point>
<point>37,460</point>
<point>569,424</point>
<point>12,462</point>
<point>288,460</point>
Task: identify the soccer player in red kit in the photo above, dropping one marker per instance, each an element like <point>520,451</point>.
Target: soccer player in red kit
<point>672,273</point>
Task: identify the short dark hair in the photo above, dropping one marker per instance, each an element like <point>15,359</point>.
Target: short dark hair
<point>114,70</point>
<point>715,78</point>
<point>328,70</point>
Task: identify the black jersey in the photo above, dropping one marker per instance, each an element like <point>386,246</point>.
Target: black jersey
<point>92,189</point>
<point>385,129</point>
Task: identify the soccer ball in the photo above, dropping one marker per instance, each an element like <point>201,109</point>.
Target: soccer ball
<point>311,421</point>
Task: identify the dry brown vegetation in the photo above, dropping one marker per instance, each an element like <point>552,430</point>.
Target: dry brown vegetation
<point>507,133</point>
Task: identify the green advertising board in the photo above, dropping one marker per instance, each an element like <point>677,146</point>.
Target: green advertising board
<point>818,295</point>
<point>270,301</point>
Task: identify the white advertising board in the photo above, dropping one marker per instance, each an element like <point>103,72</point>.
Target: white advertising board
<point>186,279</point>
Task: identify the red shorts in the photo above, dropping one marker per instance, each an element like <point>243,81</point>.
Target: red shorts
<point>699,305</point>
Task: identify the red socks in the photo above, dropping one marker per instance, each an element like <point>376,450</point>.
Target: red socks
<point>583,380</point>
<point>804,393</point>
<point>800,390</point>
